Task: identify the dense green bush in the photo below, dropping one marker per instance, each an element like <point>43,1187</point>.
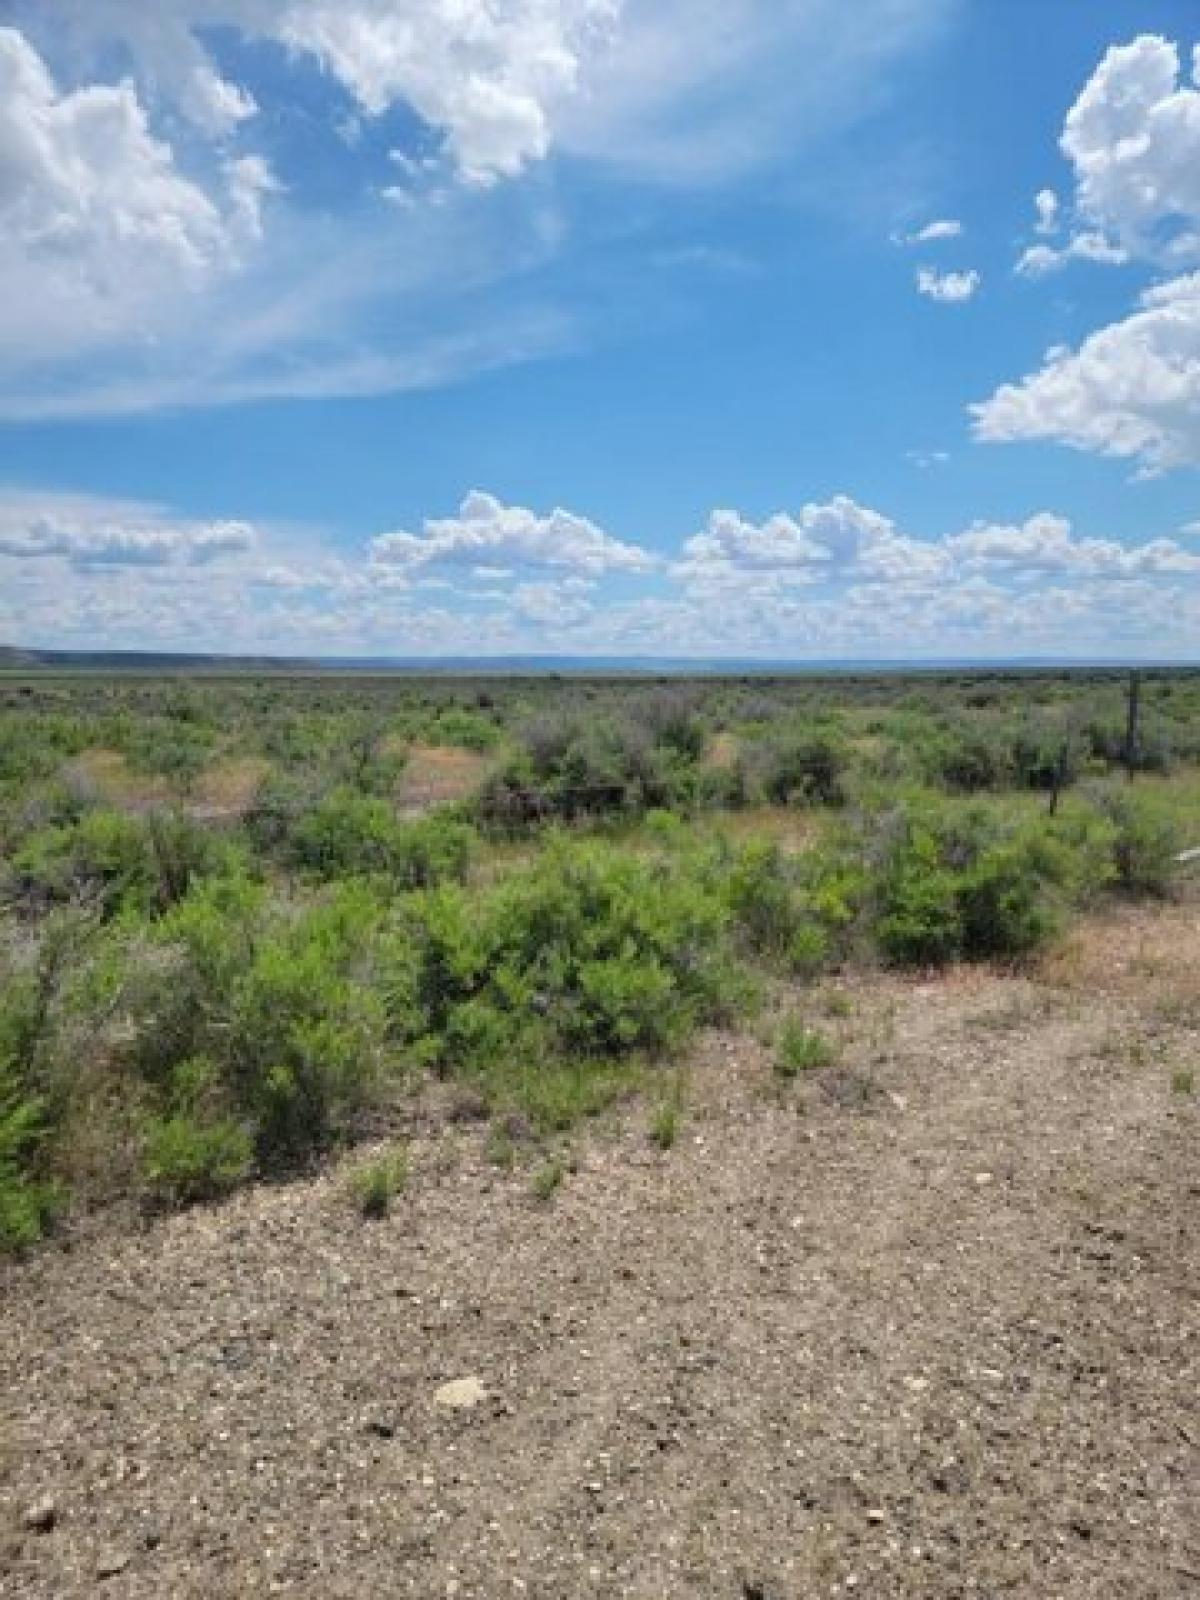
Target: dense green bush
<point>184,1004</point>
<point>800,1049</point>
<point>970,759</point>
<point>1146,838</point>
<point>570,768</point>
<point>1003,905</point>
<point>592,952</point>
<point>281,1006</point>
<point>797,911</point>
<point>918,921</point>
<point>802,769</point>
<point>349,834</point>
<point>974,882</point>
<point>375,1185</point>
<point>186,1159</point>
<point>470,730</point>
<point>116,861</point>
<point>26,1201</point>
<point>673,716</point>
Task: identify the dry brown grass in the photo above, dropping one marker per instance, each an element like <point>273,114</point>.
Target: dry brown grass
<point>106,776</point>
<point>228,788</point>
<point>1146,954</point>
<point>793,831</point>
<point>1125,949</point>
<point>722,753</point>
<point>438,775</point>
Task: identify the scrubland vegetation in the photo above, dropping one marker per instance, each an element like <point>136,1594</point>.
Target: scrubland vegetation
<point>242,916</point>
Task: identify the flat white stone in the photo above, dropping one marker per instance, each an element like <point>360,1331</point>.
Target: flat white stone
<point>464,1394</point>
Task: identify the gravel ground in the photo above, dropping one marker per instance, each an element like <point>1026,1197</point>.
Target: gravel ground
<point>927,1324</point>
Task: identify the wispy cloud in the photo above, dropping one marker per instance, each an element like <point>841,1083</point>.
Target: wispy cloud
<point>175,268</point>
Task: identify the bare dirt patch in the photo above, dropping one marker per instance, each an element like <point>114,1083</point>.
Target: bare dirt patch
<point>943,1342</point>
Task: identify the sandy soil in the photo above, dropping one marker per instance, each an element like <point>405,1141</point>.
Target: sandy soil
<point>926,1325</point>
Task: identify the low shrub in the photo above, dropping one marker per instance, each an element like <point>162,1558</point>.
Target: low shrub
<point>353,834</point>
<point>761,890</point>
<point>664,1125</point>
<point>375,1185</point>
<point>185,1160</point>
<point>1146,838</point>
<point>1003,909</point>
<point>31,1100</point>
<point>117,862</point>
<point>590,953</point>
<point>548,1178</point>
<point>283,1007</point>
<point>800,1049</point>
<point>919,921</point>
<point>970,760</point>
<point>802,769</point>
<point>572,768</point>
<point>470,730</point>
<point>971,882</point>
<point>27,1201</point>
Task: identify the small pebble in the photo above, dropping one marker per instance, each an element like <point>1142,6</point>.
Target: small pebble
<point>41,1517</point>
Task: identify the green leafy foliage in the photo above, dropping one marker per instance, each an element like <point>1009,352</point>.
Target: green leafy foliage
<point>116,861</point>
<point>803,769</point>
<point>352,834</point>
<point>195,993</point>
<point>591,953</point>
<point>548,1178</point>
<point>27,1202</point>
<point>186,1160</point>
<point>282,1007</point>
<point>800,1049</point>
<point>1147,836</point>
<point>376,1184</point>
<point>977,883</point>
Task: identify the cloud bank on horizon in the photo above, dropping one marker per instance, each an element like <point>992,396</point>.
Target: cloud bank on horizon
<point>815,582</point>
<point>208,204</point>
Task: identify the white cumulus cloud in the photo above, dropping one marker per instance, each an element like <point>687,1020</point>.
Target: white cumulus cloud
<point>1133,138</point>
<point>1040,259</point>
<point>89,533</point>
<point>486,77</point>
<point>948,288</point>
<point>1131,390</point>
<point>1047,543</point>
<point>821,543</point>
<point>149,257</point>
<point>487,532</point>
<point>98,225</point>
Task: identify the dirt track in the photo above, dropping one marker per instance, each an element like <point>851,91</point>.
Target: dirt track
<point>946,1343</point>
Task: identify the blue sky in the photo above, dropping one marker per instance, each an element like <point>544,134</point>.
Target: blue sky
<point>684,327</point>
